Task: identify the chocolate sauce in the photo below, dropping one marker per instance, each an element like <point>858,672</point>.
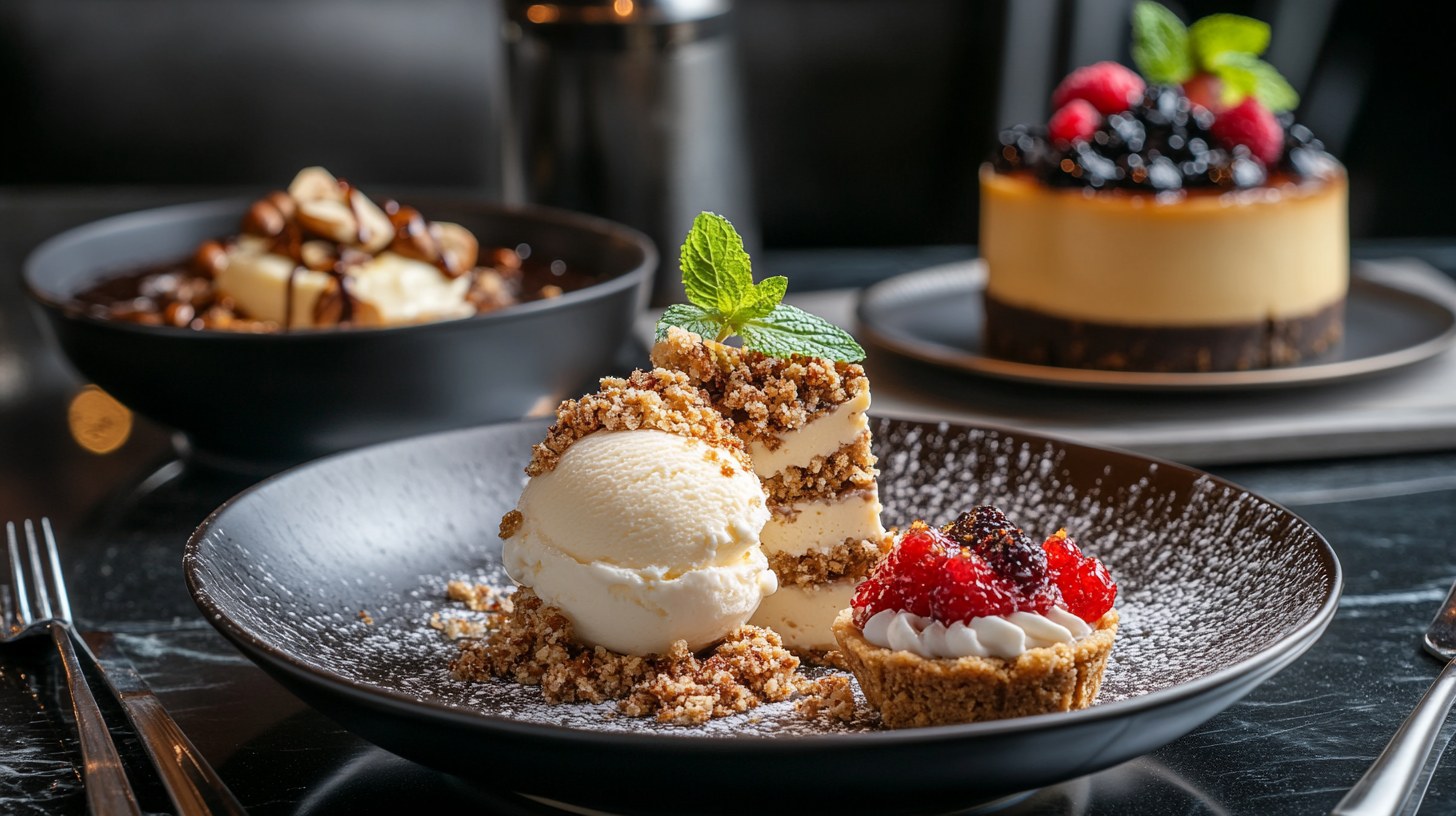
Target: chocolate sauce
<point>143,295</point>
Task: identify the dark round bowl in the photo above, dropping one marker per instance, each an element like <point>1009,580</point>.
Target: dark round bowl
<point>292,396</point>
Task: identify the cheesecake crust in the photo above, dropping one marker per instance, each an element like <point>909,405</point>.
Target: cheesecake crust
<point>911,691</point>
<point>1030,336</point>
<point>659,400</point>
<point>764,396</point>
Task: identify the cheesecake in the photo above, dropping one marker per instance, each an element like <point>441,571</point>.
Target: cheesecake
<point>1152,226</point>
<point>804,424</point>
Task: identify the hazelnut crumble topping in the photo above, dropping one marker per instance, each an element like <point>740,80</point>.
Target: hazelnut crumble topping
<point>763,395</point>
<point>852,467</point>
<point>657,400</point>
<point>851,558</point>
<point>534,646</point>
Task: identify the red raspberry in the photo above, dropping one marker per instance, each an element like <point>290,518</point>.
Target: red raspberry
<point>906,578</point>
<point>1252,125</point>
<point>1075,121</point>
<point>1107,85</point>
<point>1087,589</point>
<point>1206,90</point>
<point>969,588</point>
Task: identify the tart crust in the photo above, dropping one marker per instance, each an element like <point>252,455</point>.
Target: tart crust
<point>911,691</point>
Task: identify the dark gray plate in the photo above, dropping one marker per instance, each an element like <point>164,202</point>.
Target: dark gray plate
<point>936,315</point>
<point>1219,590</point>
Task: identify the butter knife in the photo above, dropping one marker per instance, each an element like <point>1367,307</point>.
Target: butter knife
<point>1390,786</point>
<point>193,785</point>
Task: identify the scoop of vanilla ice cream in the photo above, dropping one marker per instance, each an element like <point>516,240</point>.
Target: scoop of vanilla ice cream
<point>643,538</point>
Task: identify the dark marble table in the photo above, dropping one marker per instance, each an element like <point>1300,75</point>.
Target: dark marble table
<point>1293,746</point>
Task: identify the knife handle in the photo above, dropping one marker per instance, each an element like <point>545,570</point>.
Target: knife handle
<point>1386,786</point>
<point>189,780</point>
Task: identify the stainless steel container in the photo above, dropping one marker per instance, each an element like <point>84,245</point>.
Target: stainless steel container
<point>629,110</point>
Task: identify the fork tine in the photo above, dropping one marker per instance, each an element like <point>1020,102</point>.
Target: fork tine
<point>17,577</point>
<point>37,572</point>
<point>63,601</point>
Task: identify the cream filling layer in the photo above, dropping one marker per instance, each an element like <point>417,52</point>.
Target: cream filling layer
<point>1199,260</point>
<point>999,636</point>
<point>804,615</point>
<point>821,525</point>
<point>821,437</point>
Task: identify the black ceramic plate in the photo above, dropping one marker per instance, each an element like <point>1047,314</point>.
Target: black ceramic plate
<point>1219,590</point>
<point>936,315</point>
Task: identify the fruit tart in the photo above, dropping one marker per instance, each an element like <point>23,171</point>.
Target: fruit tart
<point>975,622</point>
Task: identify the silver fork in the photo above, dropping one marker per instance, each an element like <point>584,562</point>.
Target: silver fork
<point>107,791</point>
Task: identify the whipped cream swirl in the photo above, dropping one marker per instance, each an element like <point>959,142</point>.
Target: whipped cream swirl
<point>1000,636</point>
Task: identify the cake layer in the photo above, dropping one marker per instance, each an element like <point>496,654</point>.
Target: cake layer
<point>852,467</point>
<point>804,615</point>
<point>821,437</point>
<point>797,528</point>
<point>1031,336</point>
<point>1195,259</point>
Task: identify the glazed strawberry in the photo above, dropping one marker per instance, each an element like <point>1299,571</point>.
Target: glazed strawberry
<point>1087,589</point>
<point>1075,121</point>
<point>1108,86</point>
<point>1252,125</point>
<point>969,588</point>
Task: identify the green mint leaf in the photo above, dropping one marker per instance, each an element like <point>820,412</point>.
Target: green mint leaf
<point>1243,74</point>
<point>705,322</point>
<point>1217,34</point>
<point>715,267</point>
<point>787,331</point>
<point>760,301</point>
<point>1160,44</point>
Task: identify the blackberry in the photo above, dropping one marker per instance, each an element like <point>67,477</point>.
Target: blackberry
<point>1010,552</point>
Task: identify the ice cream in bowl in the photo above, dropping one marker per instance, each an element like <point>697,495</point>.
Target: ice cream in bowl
<point>318,318</point>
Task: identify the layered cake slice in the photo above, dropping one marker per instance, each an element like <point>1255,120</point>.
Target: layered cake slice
<point>803,420</point>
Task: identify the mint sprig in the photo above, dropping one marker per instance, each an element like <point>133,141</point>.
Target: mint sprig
<point>718,277</point>
<point>1225,45</point>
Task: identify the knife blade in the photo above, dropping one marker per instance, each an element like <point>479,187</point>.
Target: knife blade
<point>1395,784</point>
<point>193,785</point>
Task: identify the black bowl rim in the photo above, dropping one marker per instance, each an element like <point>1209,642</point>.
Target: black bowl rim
<point>217,207</point>
<point>1276,654</point>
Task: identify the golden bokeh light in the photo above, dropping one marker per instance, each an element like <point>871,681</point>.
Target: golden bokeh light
<point>98,422</point>
<point>623,8</point>
<point>543,13</point>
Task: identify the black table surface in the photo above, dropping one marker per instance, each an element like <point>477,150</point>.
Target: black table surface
<point>1293,746</point>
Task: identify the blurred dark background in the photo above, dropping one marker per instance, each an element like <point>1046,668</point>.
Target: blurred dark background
<point>865,119</point>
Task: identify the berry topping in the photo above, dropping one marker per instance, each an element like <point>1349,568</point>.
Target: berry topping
<point>981,566</point>
<point>906,578</point>
<point>969,589</point>
<point>1087,589</point>
<point>1205,90</point>
<point>987,532</point>
<point>1075,121</point>
<point>1109,87</point>
<point>1252,125</point>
